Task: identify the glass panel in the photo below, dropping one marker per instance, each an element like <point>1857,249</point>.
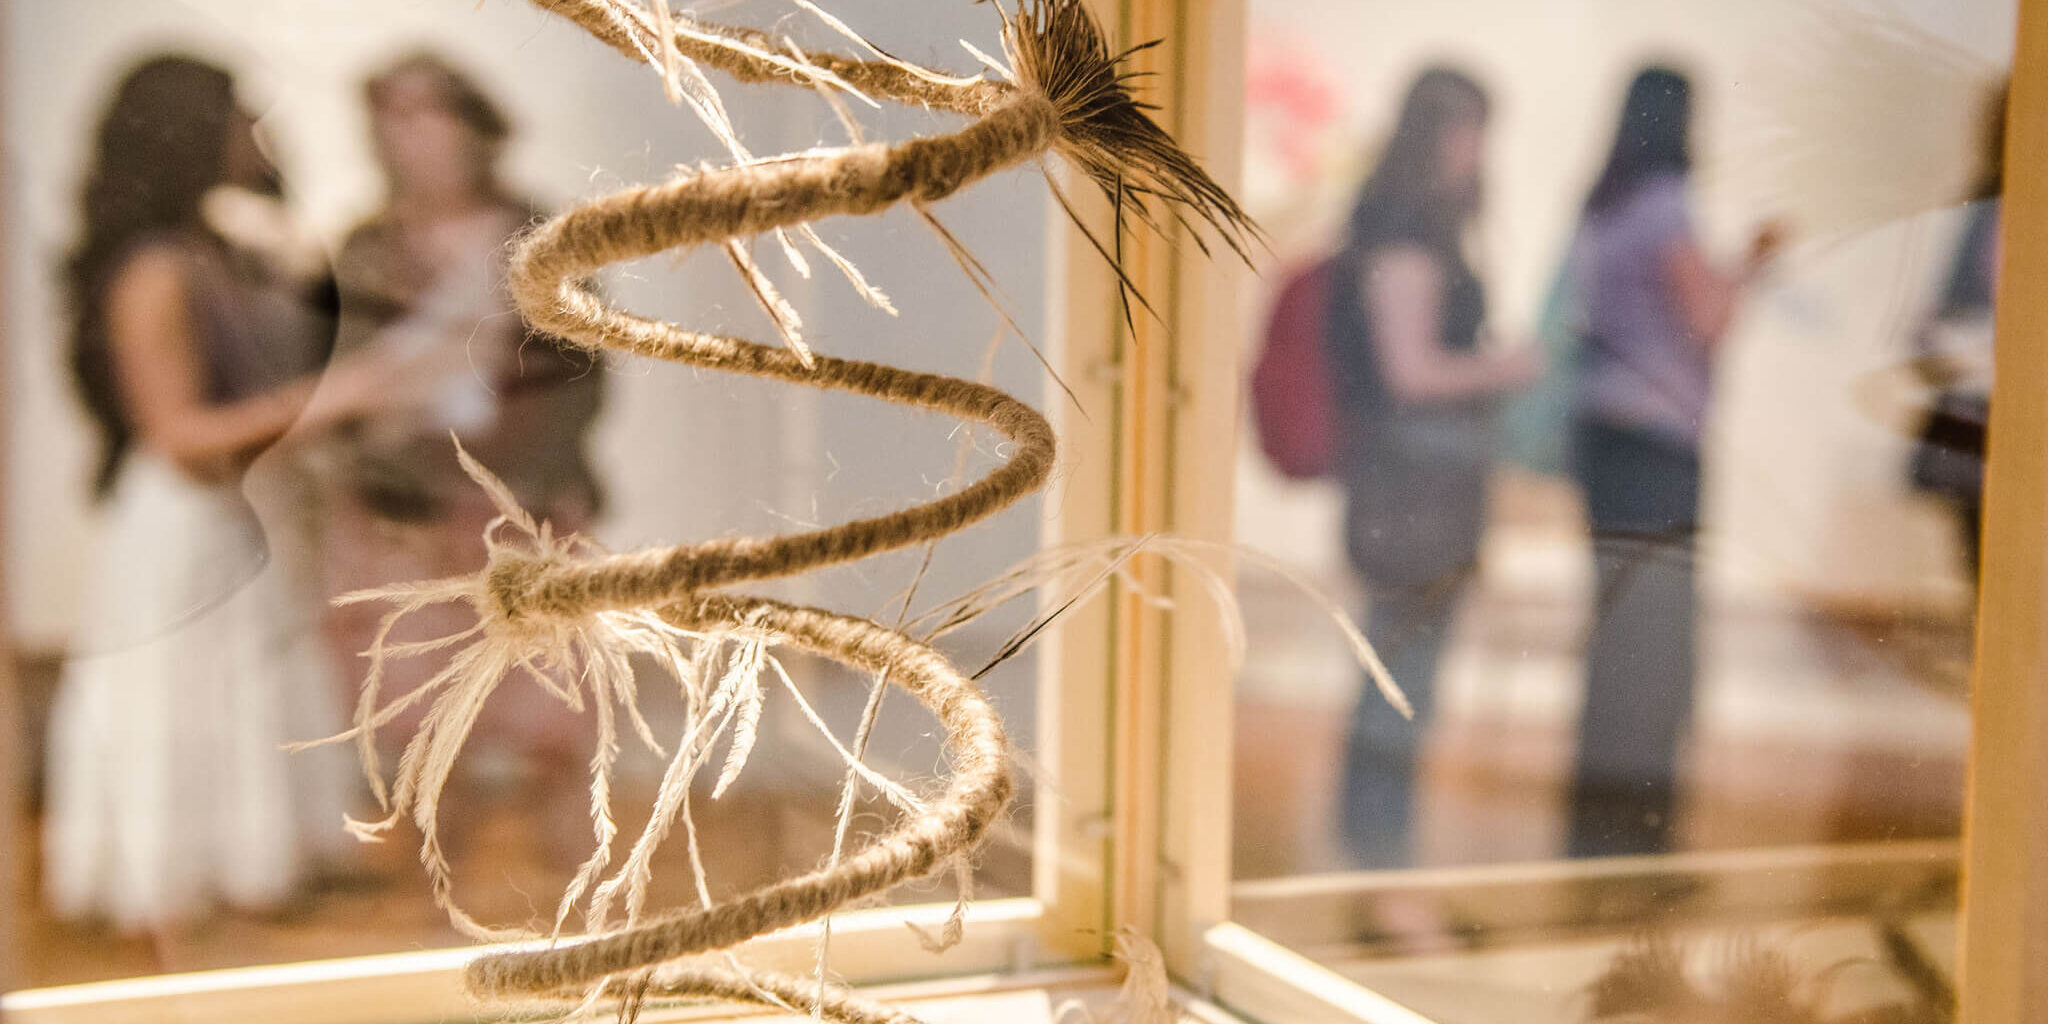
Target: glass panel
<point>166,850</point>
<point>1651,463</point>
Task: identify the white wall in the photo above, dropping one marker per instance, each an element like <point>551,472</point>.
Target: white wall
<point>684,455</point>
<point>1806,487</point>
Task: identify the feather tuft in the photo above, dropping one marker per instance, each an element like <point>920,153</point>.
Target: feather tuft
<point>1058,49</point>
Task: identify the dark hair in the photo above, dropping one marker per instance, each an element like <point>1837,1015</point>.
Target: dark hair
<point>1991,143</point>
<point>160,146</point>
<point>1655,136</point>
<point>1404,200</point>
<point>460,96</point>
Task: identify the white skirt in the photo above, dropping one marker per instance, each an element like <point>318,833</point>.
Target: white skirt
<point>195,657</point>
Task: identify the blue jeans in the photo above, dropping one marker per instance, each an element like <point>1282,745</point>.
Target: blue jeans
<point>1415,512</point>
<point>1642,500</point>
<point>1408,627</point>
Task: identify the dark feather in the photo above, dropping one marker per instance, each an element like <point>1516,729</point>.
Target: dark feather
<point>1647,983</point>
<point>1060,51</point>
<point>1646,978</point>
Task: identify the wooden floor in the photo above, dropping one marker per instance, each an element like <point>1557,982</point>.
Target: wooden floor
<point>1864,753</point>
<point>1881,758</point>
<point>511,858</point>
<point>515,842</point>
<point>1817,721</point>
<point>1813,727</point>
<point>383,906</point>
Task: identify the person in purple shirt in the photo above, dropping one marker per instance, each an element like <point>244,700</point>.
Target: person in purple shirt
<point>1656,308</point>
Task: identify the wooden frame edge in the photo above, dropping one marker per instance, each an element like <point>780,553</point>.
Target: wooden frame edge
<point>13,874</point>
<point>1247,973</point>
<point>1506,902</point>
<point>870,946</point>
<point>2004,957</point>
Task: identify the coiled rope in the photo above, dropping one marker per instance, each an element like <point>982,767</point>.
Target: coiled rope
<point>556,608</point>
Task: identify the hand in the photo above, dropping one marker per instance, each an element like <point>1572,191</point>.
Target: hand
<point>1766,243</point>
<point>1521,367</point>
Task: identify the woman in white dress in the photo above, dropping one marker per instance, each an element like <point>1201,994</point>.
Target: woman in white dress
<point>195,655</point>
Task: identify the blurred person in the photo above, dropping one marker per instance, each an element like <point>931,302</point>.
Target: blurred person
<point>1655,308</point>
<point>424,280</point>
<point>1418,384</point>
<point>1954,350</point>
<point>195,655</point>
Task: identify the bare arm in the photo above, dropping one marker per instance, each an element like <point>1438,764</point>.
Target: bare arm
<point>1404,296</point>
<point>157,361</point>
<point>1707,296</point>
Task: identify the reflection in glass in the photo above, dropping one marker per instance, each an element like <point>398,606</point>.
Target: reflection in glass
<point>422,286</point>
<point>418,141</point>
<point>1713,587</point>
<point>1654,310</point>
<point>167,792</point>
<point>1418,391</point>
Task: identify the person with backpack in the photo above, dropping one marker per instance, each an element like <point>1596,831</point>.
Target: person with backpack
<point>1416,386</point>
<point>1656,308</point>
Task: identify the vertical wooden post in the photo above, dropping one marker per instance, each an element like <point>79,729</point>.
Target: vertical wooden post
<point>1075,837</point>
<point>1174,426</point>
<point>2004,975</point>
<point>1143,465</point>
<point>12,827</point>
<point>1087,871</point>
<point>1150,456</point>
<point>1203,364</point>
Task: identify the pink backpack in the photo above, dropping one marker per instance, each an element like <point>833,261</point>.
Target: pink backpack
<point>1294,401</point>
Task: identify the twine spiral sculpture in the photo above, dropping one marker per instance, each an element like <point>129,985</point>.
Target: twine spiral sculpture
<point>569,615</point>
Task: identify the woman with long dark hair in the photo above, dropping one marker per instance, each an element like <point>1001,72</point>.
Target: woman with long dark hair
<point>1419,385</point>
<point>1656,309</point>
<point>193,659</point>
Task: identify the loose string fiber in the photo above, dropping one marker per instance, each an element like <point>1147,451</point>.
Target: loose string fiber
<point>563,614</point>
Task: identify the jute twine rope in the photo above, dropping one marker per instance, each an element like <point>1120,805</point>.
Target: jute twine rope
<point>978,791</point>
<point>1069,97</point>
<point>799,994</point>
